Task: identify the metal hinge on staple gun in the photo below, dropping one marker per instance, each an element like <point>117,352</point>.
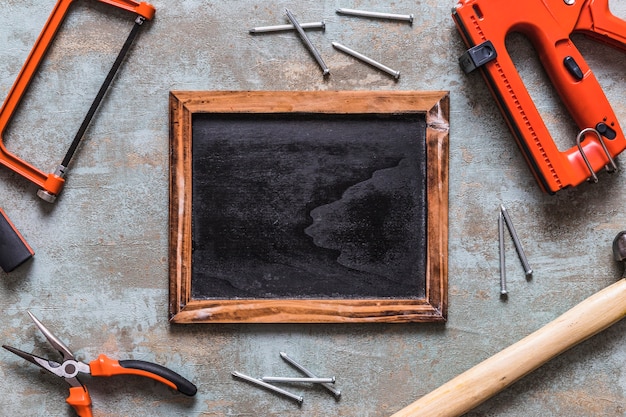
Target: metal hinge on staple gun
<point>51,184</point>
<point>484,25</point>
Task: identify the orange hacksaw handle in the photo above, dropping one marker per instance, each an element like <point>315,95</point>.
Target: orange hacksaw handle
<point>548,24</point>
<point>51,183</point>
<point>105,366</point>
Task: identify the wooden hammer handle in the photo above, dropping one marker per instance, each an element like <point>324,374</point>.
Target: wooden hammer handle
<point>491,376</point>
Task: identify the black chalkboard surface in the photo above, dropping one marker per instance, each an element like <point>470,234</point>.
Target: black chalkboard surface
<point>308,206</point>
<point>319,206</point>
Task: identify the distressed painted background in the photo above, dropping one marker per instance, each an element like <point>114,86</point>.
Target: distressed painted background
<point>99,276</point>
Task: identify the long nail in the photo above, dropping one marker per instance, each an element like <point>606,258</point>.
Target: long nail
<point>305,371</point>
<point>503,290</point>
<point>279,28</point>
<point>367,60</point>
<point>518,245</point>
<point>270,387</point>
<point>378,15</point>
<point>308,43</point>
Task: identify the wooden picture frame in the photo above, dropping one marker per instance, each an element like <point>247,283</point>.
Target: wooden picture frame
<point>189,106</point>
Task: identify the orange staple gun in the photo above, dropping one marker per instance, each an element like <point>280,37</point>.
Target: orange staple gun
<point>484,25</point>
<point>51,184</point>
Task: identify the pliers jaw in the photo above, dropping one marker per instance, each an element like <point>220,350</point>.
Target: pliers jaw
<point>55,368</point>
<point>56,343</point>
<point>68,369</point>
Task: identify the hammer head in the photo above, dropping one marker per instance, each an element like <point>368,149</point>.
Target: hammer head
<point>619,247</point>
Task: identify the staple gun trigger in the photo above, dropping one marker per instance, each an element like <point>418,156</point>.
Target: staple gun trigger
<point>548,24</point>
<point>52,184</point>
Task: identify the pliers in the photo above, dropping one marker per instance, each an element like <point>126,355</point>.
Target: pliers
<point>102,366</point>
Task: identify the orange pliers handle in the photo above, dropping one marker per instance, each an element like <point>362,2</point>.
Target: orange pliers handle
<point>80,400</point>
<point>106,367</point>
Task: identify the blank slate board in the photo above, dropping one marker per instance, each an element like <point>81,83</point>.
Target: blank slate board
<point>308,206</point>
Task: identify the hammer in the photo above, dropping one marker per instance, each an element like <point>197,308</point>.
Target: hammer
<point>473,387</point>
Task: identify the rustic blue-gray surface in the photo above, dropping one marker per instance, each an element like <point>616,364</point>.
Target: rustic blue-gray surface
<point>99,278</point>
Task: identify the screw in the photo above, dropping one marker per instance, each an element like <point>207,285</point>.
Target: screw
<point>570,2</point>
<point>308,373</point>
<point>518,245</point>
<point>394,73</point>
<point>279,28</point>
<point>307,42</point>
<point>378,15</point>
<point>270,387</point>
<point>503,290</point>
<point>311,380</point>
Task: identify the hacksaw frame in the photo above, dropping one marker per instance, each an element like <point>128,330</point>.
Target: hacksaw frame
<point>51,184</point>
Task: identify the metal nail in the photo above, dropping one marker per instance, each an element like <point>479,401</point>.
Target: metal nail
<point>392,72</point>
<point>518,245</point>
<point>315,380</point>
<point>307,42</point>
<point>362,13</point>
<point>305,371</point>
<point>503,290</point>
<point>279,28</point>
<point>270,387</point>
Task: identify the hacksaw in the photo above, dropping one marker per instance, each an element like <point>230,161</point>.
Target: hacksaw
<point>51,184</point>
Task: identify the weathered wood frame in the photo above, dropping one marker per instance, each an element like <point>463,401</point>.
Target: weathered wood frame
<point>432,308</point>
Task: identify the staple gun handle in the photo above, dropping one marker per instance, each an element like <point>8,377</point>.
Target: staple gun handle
<point>81,401</point>
<point>548,24</point>
<point>582,95</point>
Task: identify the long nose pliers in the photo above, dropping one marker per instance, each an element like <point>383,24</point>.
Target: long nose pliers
<point>102,366</point>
